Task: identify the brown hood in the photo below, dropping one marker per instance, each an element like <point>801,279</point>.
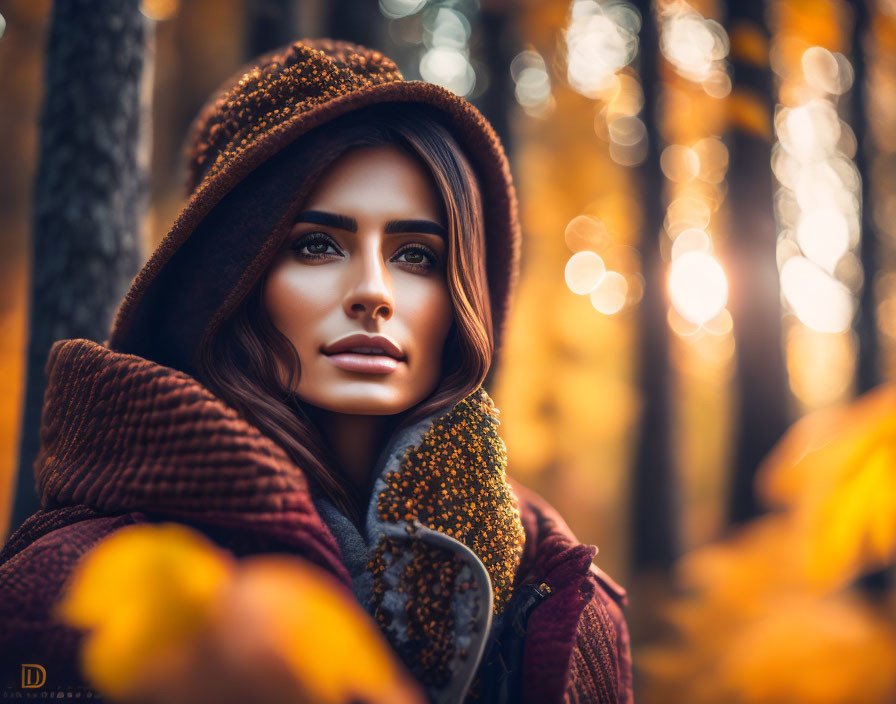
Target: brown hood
<point>238,214</point>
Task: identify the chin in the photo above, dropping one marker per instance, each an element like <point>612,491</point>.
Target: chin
<point>362,398</point>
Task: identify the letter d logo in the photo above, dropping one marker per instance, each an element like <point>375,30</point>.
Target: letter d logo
<point>33,676</point>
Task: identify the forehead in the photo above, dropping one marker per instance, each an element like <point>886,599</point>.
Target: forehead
<point>382,179</point>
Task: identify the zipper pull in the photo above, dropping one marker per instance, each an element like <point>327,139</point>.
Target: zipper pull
<point>543,590</point>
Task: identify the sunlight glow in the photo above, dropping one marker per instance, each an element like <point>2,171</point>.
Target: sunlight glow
<point>698,286</point>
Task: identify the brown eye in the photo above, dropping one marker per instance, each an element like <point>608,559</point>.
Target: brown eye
<point>317,245</point>
<point>322,247</point>
<point>419,256</point>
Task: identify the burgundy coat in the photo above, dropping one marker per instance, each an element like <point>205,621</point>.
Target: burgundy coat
<point>126,441</point>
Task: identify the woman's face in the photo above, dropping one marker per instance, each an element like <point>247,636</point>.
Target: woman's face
<point>366,256</point>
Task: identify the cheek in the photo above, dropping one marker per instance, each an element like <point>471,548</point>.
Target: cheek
<point>294,301</point>
<point>428,312</point>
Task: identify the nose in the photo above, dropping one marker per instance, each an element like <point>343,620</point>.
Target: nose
<point>370,294</point>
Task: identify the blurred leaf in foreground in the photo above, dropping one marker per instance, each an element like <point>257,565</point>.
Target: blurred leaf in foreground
<point>173,618</point>
<point>836,471</point>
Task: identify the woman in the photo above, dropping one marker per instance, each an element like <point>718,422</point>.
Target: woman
<point>299,367</point>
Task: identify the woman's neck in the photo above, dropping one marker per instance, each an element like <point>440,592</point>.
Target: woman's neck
<point>356,442</point>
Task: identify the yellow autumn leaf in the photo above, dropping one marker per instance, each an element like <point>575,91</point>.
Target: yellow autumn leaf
<point>336,651</point>
<point>836,470</point>
<point>823,445</point>
<point>141,593</point>
<point>852,529</point>
<point>171,617</point>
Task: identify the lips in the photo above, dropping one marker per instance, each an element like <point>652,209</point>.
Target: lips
<point>367,354</point>
<point>361,344</point>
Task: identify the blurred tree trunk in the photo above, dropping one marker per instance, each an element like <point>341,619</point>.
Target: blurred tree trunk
<point>271,24</point>
<point>497,43</point>
<point>89,194</point>
<point>655,493</point>
<point>754,301</point>
<point>869,372</point>
<point>359,22</point>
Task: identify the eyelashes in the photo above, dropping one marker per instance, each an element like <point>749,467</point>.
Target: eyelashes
<point>311,239</point>
<point>322,243</point>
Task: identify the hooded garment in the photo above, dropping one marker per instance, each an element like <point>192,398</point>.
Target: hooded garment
<point>477,583</point>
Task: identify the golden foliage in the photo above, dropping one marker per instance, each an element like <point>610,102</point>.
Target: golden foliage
<point>766,614</point>
<point>836,471</point>
<point>140,593</point>
<point>171,617</point>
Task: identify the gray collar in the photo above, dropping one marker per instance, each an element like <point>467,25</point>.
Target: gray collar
<point>472,621</point>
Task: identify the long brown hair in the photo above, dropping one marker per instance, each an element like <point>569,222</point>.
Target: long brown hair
<point>240,362</point>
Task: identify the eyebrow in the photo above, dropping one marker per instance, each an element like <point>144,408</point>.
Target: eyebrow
<point>346,222</point>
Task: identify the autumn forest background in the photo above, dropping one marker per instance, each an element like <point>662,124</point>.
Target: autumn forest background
<point>698,364</point>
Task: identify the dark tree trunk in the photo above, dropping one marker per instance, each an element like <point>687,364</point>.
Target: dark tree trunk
<point>89,193</point>
<point>359,22</point>
<point>498,42</point>
<point>655,491</point>
<point>869,372</point>
<point>755,301</point>
<point>270,24</point>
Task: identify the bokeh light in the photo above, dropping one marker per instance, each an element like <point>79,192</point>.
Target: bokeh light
<point>584,271</point>
<point>586,232</point>
<point>446,61</point>
<point>611,293</point>
<point>394,9</point>
<point>691,240</point>
<point>532,83</point>
<point>818,300</point>
<point>818,204</point>
<point>601,38</point>
<point>697,286</point>
<point>695,47</point>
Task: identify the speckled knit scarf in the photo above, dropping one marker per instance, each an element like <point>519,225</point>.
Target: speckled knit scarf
<point>445,474</point>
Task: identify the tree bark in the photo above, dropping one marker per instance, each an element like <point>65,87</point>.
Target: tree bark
<point>89,193</point>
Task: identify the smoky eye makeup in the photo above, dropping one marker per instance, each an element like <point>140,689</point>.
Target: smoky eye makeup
<point>419,250</point>
<point>318,245</point>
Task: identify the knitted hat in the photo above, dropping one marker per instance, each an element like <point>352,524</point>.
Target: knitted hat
<point>238,213</point>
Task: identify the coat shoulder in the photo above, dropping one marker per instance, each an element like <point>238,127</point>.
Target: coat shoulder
<point>577,643</point>
<point>547,533</point>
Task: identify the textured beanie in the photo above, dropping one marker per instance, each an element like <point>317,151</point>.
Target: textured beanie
<point>238,214</point>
